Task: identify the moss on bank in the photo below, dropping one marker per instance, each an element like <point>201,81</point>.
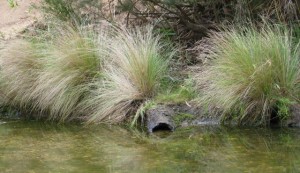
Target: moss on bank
<point>182,117</point>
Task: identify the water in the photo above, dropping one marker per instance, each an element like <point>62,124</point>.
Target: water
<point>36,147</point>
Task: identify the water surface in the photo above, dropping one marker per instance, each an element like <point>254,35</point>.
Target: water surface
<point>36,147</point>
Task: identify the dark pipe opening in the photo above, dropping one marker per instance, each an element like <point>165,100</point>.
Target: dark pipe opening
<point>162,127</point>
<point>274,119</point>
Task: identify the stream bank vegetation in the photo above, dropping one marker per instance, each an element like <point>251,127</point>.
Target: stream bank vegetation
<point>132,76</point>
<point>74,74</point>
<point>49,75</point>
<point>253,73</point>
<point>79,67</point>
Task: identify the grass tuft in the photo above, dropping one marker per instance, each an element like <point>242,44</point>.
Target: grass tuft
<point>52,76</point>
<point>68,73</point>
<point>133,75</point>
<point>141,112</point>
<point>251,71</point>
<point>20,64</point>
<point>71,60</point>
<point>177,93</point>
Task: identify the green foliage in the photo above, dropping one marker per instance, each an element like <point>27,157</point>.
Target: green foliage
<point>140,113</point>
<point>12,3</point>
<point>250,70</point>
<point>176,93</point>
<point>179,118</point>
<point>77,12</point>
<point>126,5</point>
<point>296,33</point>
<point>283,108</point>
<point>61,9</point>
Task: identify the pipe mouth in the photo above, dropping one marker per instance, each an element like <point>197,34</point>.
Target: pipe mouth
<point>162,127</point>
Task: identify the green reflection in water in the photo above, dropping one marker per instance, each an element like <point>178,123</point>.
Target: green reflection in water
<point>44,147</point>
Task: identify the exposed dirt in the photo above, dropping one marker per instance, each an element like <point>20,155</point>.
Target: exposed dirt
<point>15,20</point>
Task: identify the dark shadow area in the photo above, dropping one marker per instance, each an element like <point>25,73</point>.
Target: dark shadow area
<point>274,119</point>
<point>162,127</point>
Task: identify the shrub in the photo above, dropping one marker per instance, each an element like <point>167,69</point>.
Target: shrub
<point>251,71</point>
<point>192,19</point>
<point>76,12</point>
<point>61,9</point>
<point>132,76</point>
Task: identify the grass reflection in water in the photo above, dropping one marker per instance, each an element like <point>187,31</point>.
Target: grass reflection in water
<point>45,147</point>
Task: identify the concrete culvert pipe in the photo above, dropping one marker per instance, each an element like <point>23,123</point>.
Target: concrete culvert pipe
<point>160,118</point>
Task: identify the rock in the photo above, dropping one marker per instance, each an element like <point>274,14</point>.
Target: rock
<point>199,116</point>
<point>169,117</point>
<point>294,119</point>
<point>160,118</point>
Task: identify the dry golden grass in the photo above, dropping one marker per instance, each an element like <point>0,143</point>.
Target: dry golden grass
<point>20,64</point>
<point>72,73</point>
<point>71,60</point>
<point>52,76</point>
<point>132,75</point>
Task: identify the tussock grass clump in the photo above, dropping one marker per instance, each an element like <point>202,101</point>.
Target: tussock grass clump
<point>71,61</point>
<point>132,76</point>
<point>69,73</point>
<point>51,76</point>
<point>251,72</point>
<point>20,64</point>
